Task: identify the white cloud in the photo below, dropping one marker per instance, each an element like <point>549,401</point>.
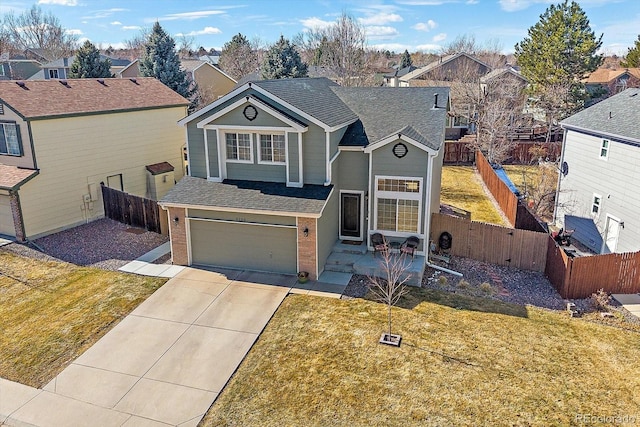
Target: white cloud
<point>104,13</point>
<point>205,31</point>
<point>59,2</point>
<point>473,1</point>
<point>379,31</point>
<point>74,32</point>
<point>426,48</point>
<point>314,22</point>
<point>380,19</point>
<point>392,47</point>
<point>116,23</point>
<point>425,26</point>
<point>190,16</point>
<point>439,37</point>
<point>131,27</point>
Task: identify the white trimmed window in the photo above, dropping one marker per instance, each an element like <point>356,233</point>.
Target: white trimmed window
<point>9,139</point>
<point>595,204</point>
<point>272,148</point>
<point>239,147</point>
<point>53,74</point>
<point>398,203</point>
<point>604,149</point>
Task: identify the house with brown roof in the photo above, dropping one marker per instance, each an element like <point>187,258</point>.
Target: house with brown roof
<point>61,139</point>
<point>605,82</point>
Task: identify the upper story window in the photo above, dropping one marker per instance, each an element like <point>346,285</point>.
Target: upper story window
<point>239,147</point>
<point>53,74</point>
<point>272,149</point>
<point>9,139</point>
<point>595,205</point>
<point>398,203</point>
<point>604,149</point>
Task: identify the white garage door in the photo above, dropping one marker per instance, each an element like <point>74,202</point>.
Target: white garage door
<point>6,218</point>
<point>246,246</point>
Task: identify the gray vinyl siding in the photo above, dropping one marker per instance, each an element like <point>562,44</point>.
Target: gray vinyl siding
<point>241,217</point>
<point>244,246</point>
<point>256,172</point>
<point>353,170</point>
<point>195,139</point>
<point>212,143</point>
<point>237,118</point>
<point>334,140</point>
<point>294,157</point>
<point>328,225</point>
<point>314,158</point>
<point>616,179</point>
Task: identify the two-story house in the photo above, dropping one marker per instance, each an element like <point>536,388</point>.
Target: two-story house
<point>600,180</point>
<point>280,170</point>
<point>60,68</point>
<point>60,139</point>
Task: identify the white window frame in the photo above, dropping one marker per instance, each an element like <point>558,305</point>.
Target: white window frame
<point>594,204</point>
<point>250,161</point>
<point>259,148</point>
<point>606,146</point>
<point>398,195</point>
<point>53,71</point>
<point>18,142</point>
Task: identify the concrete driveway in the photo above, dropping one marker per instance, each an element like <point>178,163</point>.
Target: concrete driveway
<point>165,363</point>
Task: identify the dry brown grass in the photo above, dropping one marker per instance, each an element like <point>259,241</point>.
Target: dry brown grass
<point>462,188</point>
<point>463,361</point>
<point>52,311</point>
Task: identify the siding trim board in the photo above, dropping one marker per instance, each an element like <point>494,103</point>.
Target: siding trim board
<point>240,210</point>
<point>396,137</point>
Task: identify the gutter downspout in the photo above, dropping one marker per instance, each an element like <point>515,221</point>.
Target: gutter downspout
<point>555,204</point>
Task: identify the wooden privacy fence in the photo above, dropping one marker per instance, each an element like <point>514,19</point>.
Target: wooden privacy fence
<point>580,277</point>
<point>131,210</point>
<point>463,152</point>
<point>491,243</point>
<point>507,201</point>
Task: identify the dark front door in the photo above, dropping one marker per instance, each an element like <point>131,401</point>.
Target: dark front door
<point>350,215</point>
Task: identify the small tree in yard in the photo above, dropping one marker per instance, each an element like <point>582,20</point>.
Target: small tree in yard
<point>390,288</point>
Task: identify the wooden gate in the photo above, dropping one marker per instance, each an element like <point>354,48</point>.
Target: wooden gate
<point>131,210</point>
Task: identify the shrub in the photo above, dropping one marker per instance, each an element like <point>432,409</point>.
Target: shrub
<point>463,284</point>
<point>600,299</point>
<point>442,280</point>
<point>486,287</point>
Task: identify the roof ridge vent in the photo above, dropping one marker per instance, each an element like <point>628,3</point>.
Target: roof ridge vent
<point>134,80</point>
<point>64,83</point>
<point>101,81</point>
<point>21,84</point>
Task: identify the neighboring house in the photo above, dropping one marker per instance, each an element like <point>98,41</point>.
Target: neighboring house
<point>280,170</point>
<point>501,77</point>
<point>392,79</point>
<point>212,81</point>
<point>41,55</point>
<point>60,139</point>
<point>18,68</point>
<point>59,69</point>
<point>604,82</point>
<point>598,189</point>
<point>461,72</point>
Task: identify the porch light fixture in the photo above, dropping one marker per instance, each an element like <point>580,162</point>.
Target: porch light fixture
<point>176,220</point>
<point>305,231</point>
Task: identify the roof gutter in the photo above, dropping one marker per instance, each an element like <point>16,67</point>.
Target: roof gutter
<point>621,138</point>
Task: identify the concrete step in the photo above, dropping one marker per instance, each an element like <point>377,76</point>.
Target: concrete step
<point>340,247</point>
<point>339,268</point>
<point>343,258</point>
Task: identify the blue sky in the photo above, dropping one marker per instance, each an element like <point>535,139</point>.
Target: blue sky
<point>396,25</point>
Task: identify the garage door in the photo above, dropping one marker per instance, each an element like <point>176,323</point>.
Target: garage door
<point>6,219</point>
<point>246,246</point>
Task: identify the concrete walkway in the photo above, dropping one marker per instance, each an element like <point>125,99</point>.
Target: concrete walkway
<point>165,363</point>
<point>630,302</point>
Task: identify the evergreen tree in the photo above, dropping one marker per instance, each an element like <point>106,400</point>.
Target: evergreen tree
<point>406,60</point>
<point>632,60</point>
<point>283,61</point>
<point>87,63</point>
<point>160,60</point>
<point>561,47</point>
<point>238,57</point>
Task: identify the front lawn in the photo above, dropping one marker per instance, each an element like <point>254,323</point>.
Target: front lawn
<point>463,361</point>
<point>462,188</point>
<point>51,312</point>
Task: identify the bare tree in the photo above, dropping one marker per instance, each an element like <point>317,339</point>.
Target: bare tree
<point>239,57</point>
<point>341,48</point>
<point>37,29</point>
<point>136,45</point>
<point>390,288</point>
<point>185,46</point>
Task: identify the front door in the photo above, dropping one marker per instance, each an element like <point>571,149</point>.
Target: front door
<point>351,216</point>
<point>612,232</point>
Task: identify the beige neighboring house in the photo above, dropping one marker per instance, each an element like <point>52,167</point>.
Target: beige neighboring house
<point>59,140</point>
<point>212,81</point>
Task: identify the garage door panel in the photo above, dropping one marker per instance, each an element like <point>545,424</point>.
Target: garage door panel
<point>254,247</point>
<point>6,218</point>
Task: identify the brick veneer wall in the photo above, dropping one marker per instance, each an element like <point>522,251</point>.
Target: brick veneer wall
<point>178,233</point>
<point>307,254</point>
<point>16,213</point>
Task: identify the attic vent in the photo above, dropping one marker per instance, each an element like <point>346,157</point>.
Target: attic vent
<point>1,108</point>
<point>633,94</point>
<point>101,81</point>
<point>134,80</point>
<point>21,84</point>
<point>64,83</point>
<point>435,100</point>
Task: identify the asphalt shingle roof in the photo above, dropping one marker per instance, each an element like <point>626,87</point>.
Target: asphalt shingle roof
<point>12,177</point>
<point>617,116</point>
<point>251,195</point>
<point>312,96</point>
<point>50,98</point>
<point>384,111</point>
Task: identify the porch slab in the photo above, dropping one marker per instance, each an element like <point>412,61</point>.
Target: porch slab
<point>335,277</point>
